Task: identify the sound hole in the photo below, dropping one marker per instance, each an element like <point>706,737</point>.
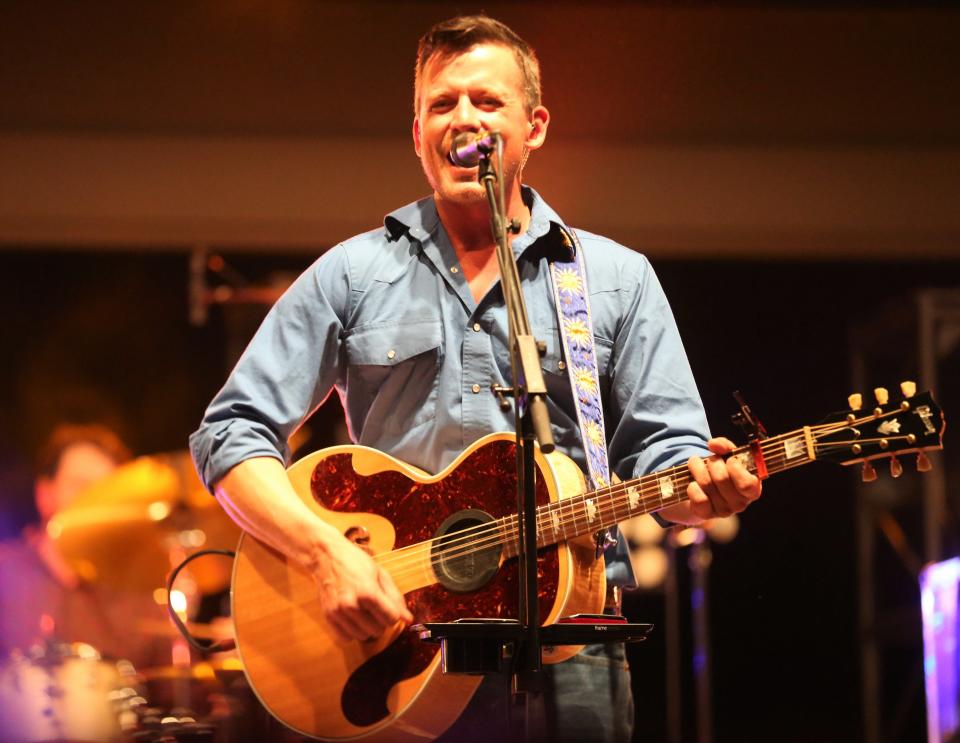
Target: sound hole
<point>466,551</point>
<point>360,537</point>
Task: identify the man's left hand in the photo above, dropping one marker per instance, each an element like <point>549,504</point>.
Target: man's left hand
<point>720,487</point>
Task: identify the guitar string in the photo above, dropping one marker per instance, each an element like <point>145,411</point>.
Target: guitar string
<point>577,508</point>
<point>582,503</point>
<point>422,563</point>
<point>508,535</point>
<point>576,505</point>
<point>570,508</point>
<point>604,504</point>
<point>504,529</point>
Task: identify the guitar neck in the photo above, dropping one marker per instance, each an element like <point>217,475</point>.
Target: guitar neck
<point>592,511</point>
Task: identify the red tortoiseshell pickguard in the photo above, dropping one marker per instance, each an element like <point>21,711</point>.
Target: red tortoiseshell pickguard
<point>485,480</point>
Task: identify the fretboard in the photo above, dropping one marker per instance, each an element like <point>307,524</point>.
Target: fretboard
<point>592,511</point>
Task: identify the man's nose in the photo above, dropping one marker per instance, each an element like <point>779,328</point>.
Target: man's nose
<point>466,116</point>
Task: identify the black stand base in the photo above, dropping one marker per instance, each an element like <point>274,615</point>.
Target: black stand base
<point>479,646</point>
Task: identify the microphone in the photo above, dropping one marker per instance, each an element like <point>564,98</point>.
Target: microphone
<point>471,147</point>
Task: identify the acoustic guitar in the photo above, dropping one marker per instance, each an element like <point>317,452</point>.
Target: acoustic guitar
<point>449,542</point>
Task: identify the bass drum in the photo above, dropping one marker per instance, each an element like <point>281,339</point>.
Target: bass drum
<point>65,692</point>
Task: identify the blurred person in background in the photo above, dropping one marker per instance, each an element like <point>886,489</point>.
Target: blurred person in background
<point>41,596</point>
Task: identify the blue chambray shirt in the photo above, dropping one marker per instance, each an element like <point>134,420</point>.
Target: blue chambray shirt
<point>387,319</point>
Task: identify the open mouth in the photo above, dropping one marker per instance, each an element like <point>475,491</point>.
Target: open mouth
<point>454,166</point>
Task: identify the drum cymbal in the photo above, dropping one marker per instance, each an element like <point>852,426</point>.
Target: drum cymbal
<point>127,530</point>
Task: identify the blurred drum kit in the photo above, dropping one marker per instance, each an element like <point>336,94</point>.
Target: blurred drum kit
<point>126,533</point>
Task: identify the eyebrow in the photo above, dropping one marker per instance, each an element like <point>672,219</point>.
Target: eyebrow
<point>502,92</point>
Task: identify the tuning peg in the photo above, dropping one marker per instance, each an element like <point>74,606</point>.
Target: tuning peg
<point>883,397</point>
<point>923,464</point>
<point>855,401</point>
<point>869,474</point>
<point>896,469</point>
<point>908,388</point>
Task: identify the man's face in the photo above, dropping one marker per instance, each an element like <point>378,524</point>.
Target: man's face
<point>481,88</point>
<point>81,465</point>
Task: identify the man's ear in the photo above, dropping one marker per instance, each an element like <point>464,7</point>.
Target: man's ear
<point>416,135</point>
<point>539,121</point>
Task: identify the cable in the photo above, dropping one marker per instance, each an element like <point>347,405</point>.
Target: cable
<point>214,646</point>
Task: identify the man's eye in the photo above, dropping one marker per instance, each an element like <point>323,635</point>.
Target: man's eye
<point>441,105</point>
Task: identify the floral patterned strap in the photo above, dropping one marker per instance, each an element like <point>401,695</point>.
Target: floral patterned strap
<point>576,330</point>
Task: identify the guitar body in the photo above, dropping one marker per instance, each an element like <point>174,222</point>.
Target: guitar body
<point>392,688</point>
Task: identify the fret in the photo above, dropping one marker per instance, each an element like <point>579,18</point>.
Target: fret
<point>590,508</point>
<point>580,524</point>
<point>773,454</point>
<point>571,517</point>
<point>633,498</point>
<point>618,504</point>
<point>609,513</point>
<point>685,479</point>
<point>665,486</point>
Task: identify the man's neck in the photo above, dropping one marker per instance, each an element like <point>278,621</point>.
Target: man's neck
<point>468,224</point>
<point>468,228</point>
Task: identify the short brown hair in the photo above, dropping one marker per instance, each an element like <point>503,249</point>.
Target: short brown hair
<point>459,34</point>
<point>66,435</point>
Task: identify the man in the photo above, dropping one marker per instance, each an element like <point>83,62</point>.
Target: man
<point>407,323</point>
<point>41,597</point>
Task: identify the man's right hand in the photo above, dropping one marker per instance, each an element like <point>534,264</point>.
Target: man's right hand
<point>360,600</point>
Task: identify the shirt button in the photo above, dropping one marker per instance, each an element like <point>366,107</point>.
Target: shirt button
<point>476,389</point>
<point>561,366</point>
<point>454,269</point>
<point>391,353</point>
<point>476,327</point>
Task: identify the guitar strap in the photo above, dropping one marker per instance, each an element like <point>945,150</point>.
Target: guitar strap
<point>576,332</point>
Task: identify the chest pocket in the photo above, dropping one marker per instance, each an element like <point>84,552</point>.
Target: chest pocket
<point>392,374</point>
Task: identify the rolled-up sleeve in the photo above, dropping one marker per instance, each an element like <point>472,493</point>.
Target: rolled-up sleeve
<point>287,370</point>
<point>654,399</point>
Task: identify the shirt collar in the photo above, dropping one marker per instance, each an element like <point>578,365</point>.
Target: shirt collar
<point>421,222</point>
<point>418,220</point>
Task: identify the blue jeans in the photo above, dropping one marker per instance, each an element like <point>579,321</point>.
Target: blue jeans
<point>586,699</point>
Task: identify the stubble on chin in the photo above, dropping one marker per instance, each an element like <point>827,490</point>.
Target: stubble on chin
<point>466,193</point>
<point>455,191</point>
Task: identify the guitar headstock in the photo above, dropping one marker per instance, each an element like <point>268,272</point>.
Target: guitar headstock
<point>912,424</point>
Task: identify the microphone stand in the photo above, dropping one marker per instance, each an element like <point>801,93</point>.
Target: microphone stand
<point>532,425</point>
<point>475,646</point>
